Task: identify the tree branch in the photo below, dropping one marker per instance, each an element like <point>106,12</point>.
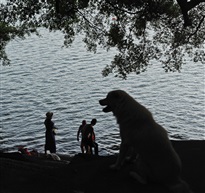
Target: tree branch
<point>193,3</point>
<point>123,10</point>
<point>197,28</point>
<point>185,7</point>
<point>57,6</point>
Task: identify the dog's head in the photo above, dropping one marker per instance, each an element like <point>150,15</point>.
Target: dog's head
<point>112,100</point>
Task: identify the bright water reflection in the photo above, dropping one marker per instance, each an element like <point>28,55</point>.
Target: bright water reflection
<point>45,77</point>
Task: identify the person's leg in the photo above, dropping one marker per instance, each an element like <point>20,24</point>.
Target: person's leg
<point>87,148</point>
<point>82,147</point>
<point>96,148</point>
<point>45,148</point>
<point>53,146</point>
<point>90,145</point>
<point>90,149</point>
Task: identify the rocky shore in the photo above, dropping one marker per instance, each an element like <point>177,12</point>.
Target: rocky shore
<point>91,174</point>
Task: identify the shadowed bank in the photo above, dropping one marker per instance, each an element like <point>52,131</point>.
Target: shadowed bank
<point>85,173</point>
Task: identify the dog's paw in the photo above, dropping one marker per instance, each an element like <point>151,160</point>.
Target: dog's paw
<point>139,178</point>
<point>114,167</point>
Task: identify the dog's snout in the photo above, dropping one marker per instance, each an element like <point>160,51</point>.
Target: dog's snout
<point>102,102</point>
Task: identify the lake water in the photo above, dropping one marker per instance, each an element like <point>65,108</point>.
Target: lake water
<point>43,77</point>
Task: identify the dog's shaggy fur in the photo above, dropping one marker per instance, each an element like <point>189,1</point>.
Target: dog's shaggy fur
<point>138,130</point>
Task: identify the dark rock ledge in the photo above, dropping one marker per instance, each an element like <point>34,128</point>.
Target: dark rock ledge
<point>91,174</point>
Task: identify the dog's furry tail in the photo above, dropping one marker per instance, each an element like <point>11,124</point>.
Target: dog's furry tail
<point>180,187</point>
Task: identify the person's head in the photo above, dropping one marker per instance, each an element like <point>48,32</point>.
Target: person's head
<point>94,121</point>
<point>49,115</point>
<point>84,122</point>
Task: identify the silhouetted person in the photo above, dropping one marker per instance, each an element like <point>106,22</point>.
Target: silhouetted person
<point>89,136</point>
<point>50,133</point>
<point>81,130</point>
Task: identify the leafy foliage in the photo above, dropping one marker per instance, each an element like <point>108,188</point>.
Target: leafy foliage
<point>141,30</point>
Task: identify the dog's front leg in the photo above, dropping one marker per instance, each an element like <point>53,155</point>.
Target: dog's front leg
<point>121,157</point>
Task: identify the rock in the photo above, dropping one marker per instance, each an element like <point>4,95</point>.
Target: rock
<point>91,174</point>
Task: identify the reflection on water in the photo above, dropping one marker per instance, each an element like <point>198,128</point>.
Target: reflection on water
<point>43,77</point>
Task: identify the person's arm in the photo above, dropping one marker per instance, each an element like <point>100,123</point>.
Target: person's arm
<point>93,136</point>
<point>78,133</point>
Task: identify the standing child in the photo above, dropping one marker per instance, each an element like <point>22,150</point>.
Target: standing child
<point>81,130</point>
<point>90,137</point>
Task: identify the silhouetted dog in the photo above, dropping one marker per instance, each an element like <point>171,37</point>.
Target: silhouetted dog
<point>158,161</point>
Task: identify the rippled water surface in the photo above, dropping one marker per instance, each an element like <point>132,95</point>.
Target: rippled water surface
<point>43,77</point>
